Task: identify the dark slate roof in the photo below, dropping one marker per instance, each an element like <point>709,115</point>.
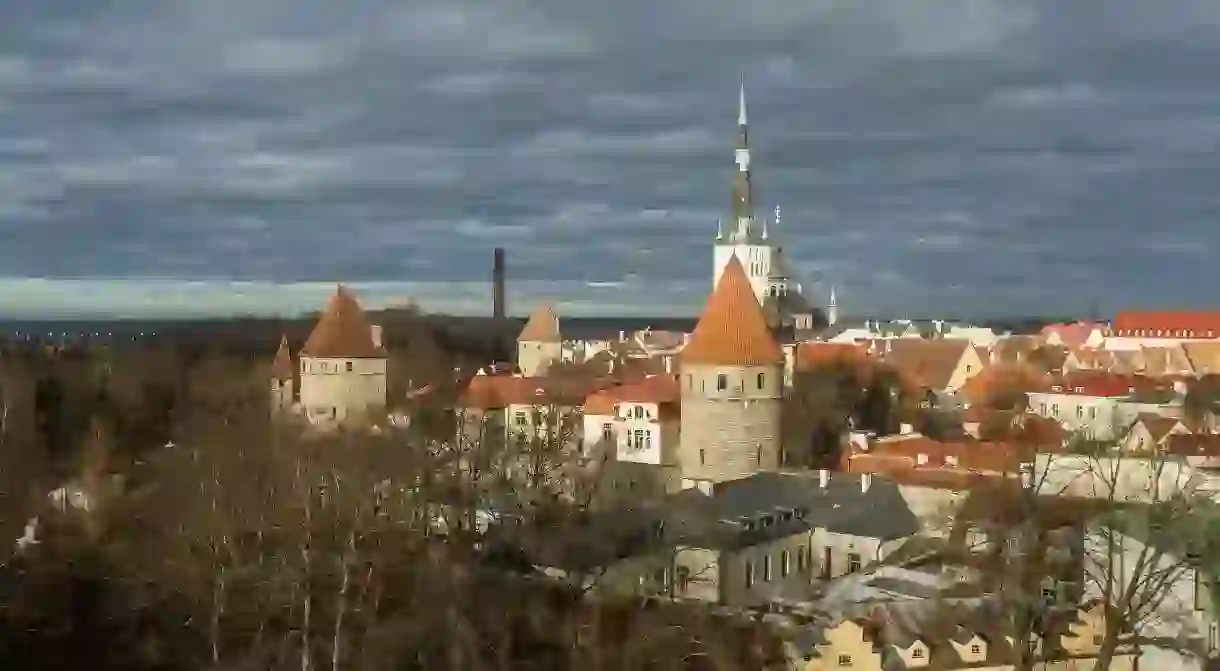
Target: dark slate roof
<point>737,514</point>
<point>774,505</point>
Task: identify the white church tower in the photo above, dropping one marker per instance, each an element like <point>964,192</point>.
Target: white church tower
<point>763,259</point>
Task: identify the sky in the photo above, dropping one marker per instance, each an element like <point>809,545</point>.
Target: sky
<point>930,157</point>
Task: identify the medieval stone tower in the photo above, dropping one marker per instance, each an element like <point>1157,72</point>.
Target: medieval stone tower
<point>343,366</point>
<point>283,382</point>
<point>540,343</point>
<point>731,386</point>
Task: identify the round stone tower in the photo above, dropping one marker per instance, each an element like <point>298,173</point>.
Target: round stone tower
<point>731,386</point>
<point>343,366</point>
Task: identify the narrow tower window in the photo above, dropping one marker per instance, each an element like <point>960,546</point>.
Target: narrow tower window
<point>761,379</point>
<point>722,382</point>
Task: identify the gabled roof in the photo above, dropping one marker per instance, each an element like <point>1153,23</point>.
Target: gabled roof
<point>542,326</point>
<point>1204,356</point>
<point>732,330</point>
<point>926,363</point>
<point>343,331</point>
<point>1158,427</point>
<point>282,367</point>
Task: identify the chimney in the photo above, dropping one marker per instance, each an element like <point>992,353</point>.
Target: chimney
<point>904,428</point>
<point>622,336</point>
<point>669,365</point>
<point>497,284</point>
<point>866,481</point>
<point>823,478</point>
<point>921,459</point>
<point>951,460</point>
<point>375,331</point>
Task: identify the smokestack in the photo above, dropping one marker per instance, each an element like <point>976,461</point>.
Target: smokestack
<point>497,281</point>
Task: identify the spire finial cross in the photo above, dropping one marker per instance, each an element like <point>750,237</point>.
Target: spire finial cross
<point>777,214</point>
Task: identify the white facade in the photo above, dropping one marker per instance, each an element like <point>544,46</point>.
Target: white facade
<point>638,432</point>
<point>1096,417</point>
<point>336,391</point>
<point>756,259</point>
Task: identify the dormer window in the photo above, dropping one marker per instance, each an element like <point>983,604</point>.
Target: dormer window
<point>976,649</point>
<point>917,653</point>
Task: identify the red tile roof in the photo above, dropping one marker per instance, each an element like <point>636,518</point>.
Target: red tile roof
<point>658,389</point>
<point>542,326</point>
<point>1001,378</point>
<point>1167,324</point>
<point>811,356</point>
<point>343,331</point>
<point>732,330</point>
<point>1193,445</point>
<point>500,391</point>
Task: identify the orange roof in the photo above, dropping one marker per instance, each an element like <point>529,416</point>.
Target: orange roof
<point>815,355</point>
<point>997,379</point>
<point>343,331</point>
<point>1168,323</point>
<point>658,389</point>
<point>732,330</point>
<point>928,364</point>
<point>282,367</point>
<point>500,391</point>
<point>542,326</point>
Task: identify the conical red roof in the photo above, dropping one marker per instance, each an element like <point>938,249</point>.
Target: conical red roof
<point>282,367</point>
<point>342,332</point>
<point>732,330</point>
<point>542,326</point>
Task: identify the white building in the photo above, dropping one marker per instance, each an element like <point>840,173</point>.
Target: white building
<point>637,422</point>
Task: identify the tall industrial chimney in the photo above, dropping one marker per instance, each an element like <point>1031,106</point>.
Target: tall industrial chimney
<point>497,281</point>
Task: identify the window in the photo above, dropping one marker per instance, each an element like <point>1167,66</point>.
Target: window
<point>784,564</point>
<point>638,439</point>
<point>302,366</point>
<point>702,457</point>
<point>349,366</point>
<point>607,431</point>
<point>1042,409</point>
<point>1079,412</point>
<point>802,559</point>
<point>1055,409</point>
<point>722,382</point>
<point>917,653</point>
<point>1097,640</point>
<point>767,568</point>
<point>648,440</point>
<point>853,562</point>
<point>761,380</point>
<point>1092,413</point>
<point>639,412</point>
<point>683,575</point>
<point>844,660</point>
<point>976,650</point>
<point>749,574</point>
<point>519,417</point>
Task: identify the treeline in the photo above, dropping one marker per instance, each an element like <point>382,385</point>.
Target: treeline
<point>152,517</point>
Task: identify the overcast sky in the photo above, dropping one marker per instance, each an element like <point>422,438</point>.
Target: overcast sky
<point>960,157</point>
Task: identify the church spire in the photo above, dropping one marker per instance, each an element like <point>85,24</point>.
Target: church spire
<point>741,103</point>
<point>742,191</point>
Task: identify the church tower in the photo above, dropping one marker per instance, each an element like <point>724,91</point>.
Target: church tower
<point>745,237</point>
<point>763,261</point>
<point>731,388</point>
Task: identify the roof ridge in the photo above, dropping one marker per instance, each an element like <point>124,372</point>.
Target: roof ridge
<point>343,330</point>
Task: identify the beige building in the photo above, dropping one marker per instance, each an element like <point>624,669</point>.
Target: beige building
<point>342,366</point>
<point>953,638</point>
<point>731,381</point>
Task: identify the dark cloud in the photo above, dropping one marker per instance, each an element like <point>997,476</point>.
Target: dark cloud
<point>997,155</point>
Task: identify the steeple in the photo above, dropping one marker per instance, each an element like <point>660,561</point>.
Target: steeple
<point>741,226</point>
<point>741,104</point>
<point>832,310</point>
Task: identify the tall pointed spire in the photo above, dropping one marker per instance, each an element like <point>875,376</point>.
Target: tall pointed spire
<point>741,103</point>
